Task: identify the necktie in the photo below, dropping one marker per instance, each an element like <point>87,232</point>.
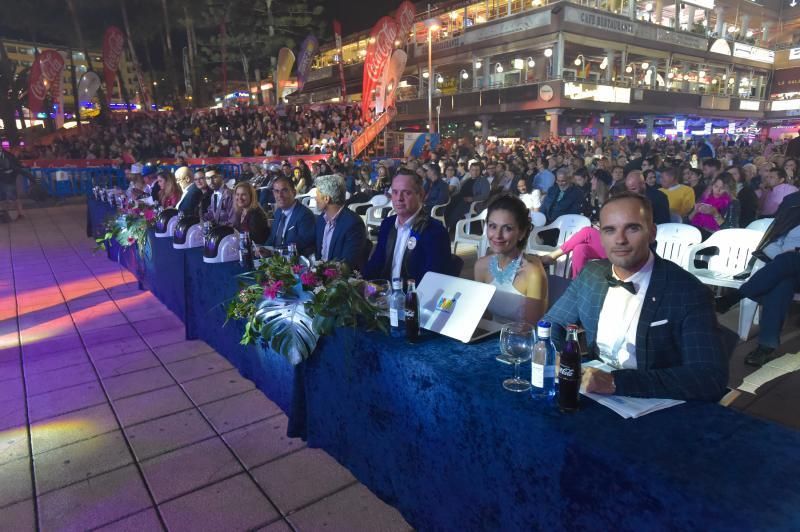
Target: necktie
<point>627,285</point>
<point>279,230</point>
<point>216,201</point>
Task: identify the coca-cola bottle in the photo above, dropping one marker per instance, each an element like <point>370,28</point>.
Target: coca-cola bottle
<point>412,312</point>
<point>569,372</point>
<point>245,251</point>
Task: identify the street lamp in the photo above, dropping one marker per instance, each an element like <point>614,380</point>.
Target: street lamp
<point>432,25</point>
<point>463,76</point>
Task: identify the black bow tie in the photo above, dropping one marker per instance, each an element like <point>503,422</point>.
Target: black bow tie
<point>627,285</point>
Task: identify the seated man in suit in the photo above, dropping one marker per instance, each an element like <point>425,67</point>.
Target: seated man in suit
<point>221,209</point>
<point>294,222</point>
<point>634,182</point>
<point>410,244</point>
<point>645,316</point>
<point>562,198</point>
<point>340,233</point>
<point>189,204</point>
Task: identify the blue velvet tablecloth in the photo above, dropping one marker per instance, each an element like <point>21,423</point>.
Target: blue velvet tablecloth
<point>429,429</point>
<point>164,274</point>
<point>209,289</point>
<point>96,214</point>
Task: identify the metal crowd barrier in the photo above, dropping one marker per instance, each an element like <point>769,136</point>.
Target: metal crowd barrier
<point>63,182</point>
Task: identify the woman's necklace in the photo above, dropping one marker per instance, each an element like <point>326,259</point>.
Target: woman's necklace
<point>504,276</point>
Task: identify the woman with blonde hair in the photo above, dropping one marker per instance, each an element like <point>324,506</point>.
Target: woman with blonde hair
<point>169,193</point>
<point>249,216</point>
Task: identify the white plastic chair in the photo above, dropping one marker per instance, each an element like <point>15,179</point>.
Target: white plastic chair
<point>376,215</point>
<point>735,249</point>
<point>437,212</point>
<point>674,240</point>
<point>567,225</point>
<point>463,236</point>
<point>762,224</point>
<point>675,218</point>
<point>538,219</point>
<point>375,201</point>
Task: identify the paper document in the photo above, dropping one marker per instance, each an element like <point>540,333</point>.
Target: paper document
<point>627,407</point>
<point>769,371</point>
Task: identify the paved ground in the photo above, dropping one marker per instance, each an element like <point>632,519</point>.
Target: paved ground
<point>109,419</point>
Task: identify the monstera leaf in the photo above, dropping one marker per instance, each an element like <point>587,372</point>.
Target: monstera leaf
<point>287,329</point>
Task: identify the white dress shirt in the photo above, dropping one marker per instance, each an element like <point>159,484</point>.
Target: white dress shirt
<point>619,319</point>
<point>401,243</point>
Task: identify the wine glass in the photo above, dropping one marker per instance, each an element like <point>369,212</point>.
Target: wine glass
<point>377,293</point>
<point>516,345</point>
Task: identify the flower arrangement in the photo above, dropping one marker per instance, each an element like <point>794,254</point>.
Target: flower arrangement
<point>288,304</point>
<point>129,226</point>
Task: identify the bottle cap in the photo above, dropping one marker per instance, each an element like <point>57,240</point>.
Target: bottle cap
<point>397,284</point>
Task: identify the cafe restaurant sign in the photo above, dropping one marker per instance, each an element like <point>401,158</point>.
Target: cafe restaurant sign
<point>601,22</point>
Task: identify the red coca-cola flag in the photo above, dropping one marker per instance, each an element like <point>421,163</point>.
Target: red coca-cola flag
<point>379,49</point>
<point>45,77</point>
<point>405,19</point>
<point>113,44</point>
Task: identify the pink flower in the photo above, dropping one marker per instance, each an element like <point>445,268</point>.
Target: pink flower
<point>297,268</point>
<point>272,289</point>
<point>149,215</point>
<point>131,240</point>
<point>137,212</point>
<point>309,279</point>
<point>331,273</point>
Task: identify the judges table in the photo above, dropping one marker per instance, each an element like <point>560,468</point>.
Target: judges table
<point>430,430</point>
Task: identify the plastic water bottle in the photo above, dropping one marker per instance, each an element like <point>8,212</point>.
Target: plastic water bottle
<point>543,363</point>
<point>397,308</point>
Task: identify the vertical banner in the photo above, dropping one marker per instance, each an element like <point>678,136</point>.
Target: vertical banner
<point>405,20</point>
<point>113,43</point>
<point>308,50</point>
<point>285,64</point>
<point>337,33</point>
<point>45,77</point>
<point>187,76</point>
<point>391,78</point>
<point>379,49</point>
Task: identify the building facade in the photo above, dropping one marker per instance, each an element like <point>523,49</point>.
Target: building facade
<point>539,67</point>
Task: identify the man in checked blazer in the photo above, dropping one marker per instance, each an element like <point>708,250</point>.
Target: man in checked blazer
<point>650,320</point>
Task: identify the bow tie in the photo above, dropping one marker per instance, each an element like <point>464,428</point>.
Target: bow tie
<point>627,285</point>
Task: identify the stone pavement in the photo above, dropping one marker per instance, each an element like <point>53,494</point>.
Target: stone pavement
<point>110,420</point>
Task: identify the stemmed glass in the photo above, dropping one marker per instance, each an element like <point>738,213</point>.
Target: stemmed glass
<point>377,293</point>
<point>516,345</point>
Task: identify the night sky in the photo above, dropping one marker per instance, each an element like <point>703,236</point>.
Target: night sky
<point>357,15</point>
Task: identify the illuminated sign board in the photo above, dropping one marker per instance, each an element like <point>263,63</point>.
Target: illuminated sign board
<point>785,105</point>
<point>597,93</point>
<point>749,105</point>
<point>794,54</point>
<point>720,46</point>
<point>754,53</point>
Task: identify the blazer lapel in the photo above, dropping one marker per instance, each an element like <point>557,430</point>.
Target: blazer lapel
<point>389,258</point>
<point>595,307</point>
<point>652,300</point>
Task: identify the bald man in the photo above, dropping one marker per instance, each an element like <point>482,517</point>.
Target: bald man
<point>634,182</point>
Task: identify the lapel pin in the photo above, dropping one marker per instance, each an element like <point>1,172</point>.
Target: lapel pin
<point>654,298</point>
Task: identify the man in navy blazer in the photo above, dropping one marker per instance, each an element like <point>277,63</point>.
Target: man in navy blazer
<point>294,222</point>
<point>562,198</point>
<point>340,233</point>
<point>189,204</point>
<point>647,318</point>
<point>410,243</point>
<point>634,182</point>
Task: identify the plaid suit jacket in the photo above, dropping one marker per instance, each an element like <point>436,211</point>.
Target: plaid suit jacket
<point>678,350</point>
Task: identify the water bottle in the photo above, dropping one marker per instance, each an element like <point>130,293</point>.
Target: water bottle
<point>206,233</point>
<point>569,373</point>
<point>292,250</point>
<point>543,363</point>
<point>245,252</point>
<point>397,307</point>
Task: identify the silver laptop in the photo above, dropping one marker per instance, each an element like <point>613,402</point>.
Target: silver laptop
<point>454,307</point>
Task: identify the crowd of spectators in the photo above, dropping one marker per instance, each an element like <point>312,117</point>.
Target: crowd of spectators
<point>230,132</point>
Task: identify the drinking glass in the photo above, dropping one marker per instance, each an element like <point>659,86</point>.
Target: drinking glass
<point>377,292</point>
<point>516,345</point>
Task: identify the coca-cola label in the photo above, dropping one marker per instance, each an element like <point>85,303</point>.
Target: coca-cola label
<point>113,43</point>
<point>45,77</point>
<point>379,49</point>
<point>405,19</point>
<point>566,372</point>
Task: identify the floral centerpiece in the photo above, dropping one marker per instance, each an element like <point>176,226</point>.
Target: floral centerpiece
<point>129,225</point>
<point>288,304</point>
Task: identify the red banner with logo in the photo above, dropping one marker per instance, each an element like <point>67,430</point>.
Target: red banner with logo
<point>379,49</point>
<point>113,44</point>
<point>45,77</point>
<point>337,33</point>
<point>371,132</point>
<point>405,19</point>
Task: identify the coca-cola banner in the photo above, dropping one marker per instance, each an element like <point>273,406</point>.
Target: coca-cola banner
<point>308,50</point>
<point>113,44</point>
<point>45,77</point>
<point>405,19</point>
<point>379,49</point>
<point>391,79</point>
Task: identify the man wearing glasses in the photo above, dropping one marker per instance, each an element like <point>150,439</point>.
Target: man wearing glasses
<point>294,223</point>
<point>192,199</point>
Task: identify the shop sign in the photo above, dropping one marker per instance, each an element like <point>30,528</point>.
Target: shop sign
<point>597,93</point>
<point>785,105</point>
<point>705,4</point>
<point>786,80</point>
<point>682,39</point>
<point>720,46</point>
<point>794,54</point>
<point>601,22</point>
<point>749,105</point>
<point>546,93</point>
<point>482,32</point>
<point>754,53</point>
